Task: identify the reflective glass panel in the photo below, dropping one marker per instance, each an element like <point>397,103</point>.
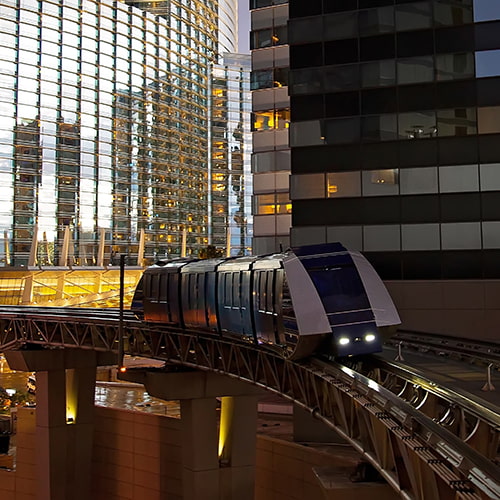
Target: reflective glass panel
<point>413,16</point>
<point>456,122</point>
<point>461,236</point>
<point>487,63</point>
<point>452,12</point>
<point>491,234</point>
<point>307,186</point>
<point>415,70</point>
<point>343,184</point>
<point>418,180</point>
<point>490,176</point>
<point>454,66</point>
<point>380,182</point>
<point>378,73</point>
<point>418,125</point>
<point>486,10</point>
<point>420,237</point>
<point>382,238</point>
<point>375,21</point>
<point>488,120</point>
<point>458,178</point>
<point>379,128</point>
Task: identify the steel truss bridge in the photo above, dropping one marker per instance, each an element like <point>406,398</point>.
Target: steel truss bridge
<point>427,445</point>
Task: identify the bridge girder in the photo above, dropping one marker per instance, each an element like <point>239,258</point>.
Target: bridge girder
<point>415,462</point>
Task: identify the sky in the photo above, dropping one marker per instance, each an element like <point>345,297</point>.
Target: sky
<point>244,25</point>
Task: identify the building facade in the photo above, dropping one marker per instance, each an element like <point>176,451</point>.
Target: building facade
<point>270,124</point>
<point>230,189</point>
<point>105,124</point>
<point>395,128</point>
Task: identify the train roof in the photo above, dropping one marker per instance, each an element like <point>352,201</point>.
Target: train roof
<point>170,265</point>
<point>202,266</point>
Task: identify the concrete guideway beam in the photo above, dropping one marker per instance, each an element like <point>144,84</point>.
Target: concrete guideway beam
<point>218,456</point>
<point>65,392</point>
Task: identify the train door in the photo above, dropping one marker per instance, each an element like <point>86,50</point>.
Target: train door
<point>265,312</point>
<point>187,293</point>
<point>278,287</point>
<point>199,300</point>
<point>174,297</point>
<point>246,303</point>
<point>230,302</point>
<point>211,301</point>
<point>162,297</point>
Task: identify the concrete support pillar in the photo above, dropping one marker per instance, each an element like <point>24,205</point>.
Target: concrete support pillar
<point>200,464</point>
<point>51,435</point>
<point>237,447</point>
<point>218,455</point>
<point>65,388</point>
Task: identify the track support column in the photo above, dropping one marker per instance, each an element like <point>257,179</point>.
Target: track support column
<point>218,454</point>
<point>200,474</point>
<point>65,389</point>
<point>237,447</point>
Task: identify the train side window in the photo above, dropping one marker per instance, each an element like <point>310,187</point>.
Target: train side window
<point>236,290</point>
<point>155,292</point>
<point>270,295</point>
<point>163,287</point>
<point>147,286</point>
<point>262,291</point>
<point>228,297</point>
<point>193,291</point>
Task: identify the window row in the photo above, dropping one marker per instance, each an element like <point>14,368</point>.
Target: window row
<point>417,125</point>
<point>273,203</point>
<point>390,46</point>
<point>257,4</point>
<point>269,78</point>
<point>269,37</point>
<point>270,119</point>
<point>406,237</point>
<point>444,12</point>
<point>393,182</point>
<point>390,72</point>
<point>387,19</point>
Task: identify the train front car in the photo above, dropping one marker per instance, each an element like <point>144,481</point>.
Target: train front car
<point>355,301</point>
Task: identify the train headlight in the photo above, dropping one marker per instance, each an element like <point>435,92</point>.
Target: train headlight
<point>369,337</point>
<point>343,340</point>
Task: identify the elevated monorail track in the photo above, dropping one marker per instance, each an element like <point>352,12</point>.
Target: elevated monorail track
<point>470,350</point>
<point>399,425</point>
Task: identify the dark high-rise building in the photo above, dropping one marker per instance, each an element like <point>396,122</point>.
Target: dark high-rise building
<point>395,130</point>
<point>270,125</point>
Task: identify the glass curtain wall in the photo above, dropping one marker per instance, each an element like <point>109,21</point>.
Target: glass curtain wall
<point>104,126</point>
<point>231,188</point>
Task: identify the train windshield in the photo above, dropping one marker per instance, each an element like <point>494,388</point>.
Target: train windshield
<point>340,288</point>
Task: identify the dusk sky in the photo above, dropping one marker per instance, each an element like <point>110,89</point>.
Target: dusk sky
<point>244,26</point>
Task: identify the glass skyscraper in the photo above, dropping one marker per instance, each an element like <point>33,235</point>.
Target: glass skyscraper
<point>104,124</point>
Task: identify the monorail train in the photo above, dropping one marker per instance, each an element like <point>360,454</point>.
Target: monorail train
<point>313,299</point>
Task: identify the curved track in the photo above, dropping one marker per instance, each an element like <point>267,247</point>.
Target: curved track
<point>418,455</point>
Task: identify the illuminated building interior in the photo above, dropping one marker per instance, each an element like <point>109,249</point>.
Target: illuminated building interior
<point>105,118</point>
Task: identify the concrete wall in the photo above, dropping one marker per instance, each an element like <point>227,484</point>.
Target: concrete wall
<point>127,447</point>
<point>126,465</point>
<point>20,483</point>
<point>462,308</point>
